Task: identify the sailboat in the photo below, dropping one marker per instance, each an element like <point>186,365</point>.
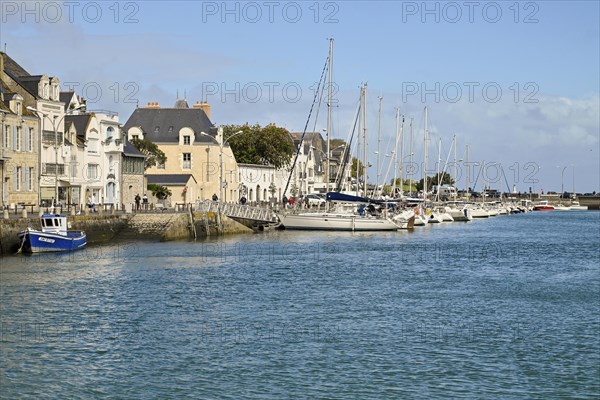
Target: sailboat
<point>361,218</point>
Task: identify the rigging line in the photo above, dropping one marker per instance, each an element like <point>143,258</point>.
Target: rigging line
<point>305,127</point>
<point>316,119</point>
<point>508,188</point>
<point>347,152</point>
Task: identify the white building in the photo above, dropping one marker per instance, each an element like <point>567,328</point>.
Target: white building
<point>262,183</point>
<point>94,158</point>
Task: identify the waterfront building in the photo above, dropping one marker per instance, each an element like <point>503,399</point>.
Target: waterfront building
<point>190,141</point>
<point>133,180</point>
<point>309,175</point>
<point>262,183</point>
<point>40,93</point>
<point>18,152</point>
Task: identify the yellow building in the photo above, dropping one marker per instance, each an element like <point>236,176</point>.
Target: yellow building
<point>19,142</point>
<point>190,141</point>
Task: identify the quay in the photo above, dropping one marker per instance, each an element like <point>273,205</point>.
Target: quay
<point>102,226</point>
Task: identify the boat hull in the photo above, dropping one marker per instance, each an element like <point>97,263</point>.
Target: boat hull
<point>42,242</point>
<point>543,208</point>
<point>336,222</point>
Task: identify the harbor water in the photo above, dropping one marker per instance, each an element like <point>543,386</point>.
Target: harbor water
<point>506,307</point>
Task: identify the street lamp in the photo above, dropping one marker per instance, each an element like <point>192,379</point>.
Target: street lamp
<point>55,123</point>
<point>221,140</point>
<point>562,180</point>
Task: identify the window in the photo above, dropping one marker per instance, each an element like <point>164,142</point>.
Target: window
<point>30,137</point>
<point>74,166</point>
<point>18,177</point>
<point>5,141</point>
<point>92,171</point>
<point>19,143</point>
<point>156,129</point>
<point>109,132</point>
<point>134,137</point>
<point>31,179</point>
<point>171,129</point>
<point>93,145</point>
<point>186,140</point>
<point>187,161</point>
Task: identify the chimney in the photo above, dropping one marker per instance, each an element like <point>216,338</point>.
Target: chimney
<point>152,104</point>
<point>204,106</point>
<point>1,65</point>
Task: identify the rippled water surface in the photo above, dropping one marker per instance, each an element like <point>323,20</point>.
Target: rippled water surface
<point>507,307</point>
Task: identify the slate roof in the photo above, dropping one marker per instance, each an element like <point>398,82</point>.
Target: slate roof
<point>65,97</point>
<point>162,125</point>
<point>13,68</point>
<point>21,76</point>
<point>80,122</point>
<point>170,179</point>
<point>129,150</point>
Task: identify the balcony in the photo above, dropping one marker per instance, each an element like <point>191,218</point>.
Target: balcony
<point>49,137</point>
<point>53,169</point>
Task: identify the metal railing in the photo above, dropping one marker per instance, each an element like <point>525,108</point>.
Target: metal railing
<point>238,211</point>
<point>53,169</point>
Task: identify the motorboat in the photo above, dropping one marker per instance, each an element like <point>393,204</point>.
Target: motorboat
<point>54,236</point>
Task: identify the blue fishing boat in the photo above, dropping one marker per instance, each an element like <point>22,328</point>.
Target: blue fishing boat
<point>53,236</point>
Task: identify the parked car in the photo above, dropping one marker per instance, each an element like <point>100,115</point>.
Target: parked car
<point>314,199</point>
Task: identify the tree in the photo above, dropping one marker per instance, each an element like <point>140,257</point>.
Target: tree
<point>269,145</point>
<point>154,155</point>
<point>405,184</point>
<point>357,164</point>
<point>443,178</point>
<point>158,191</point>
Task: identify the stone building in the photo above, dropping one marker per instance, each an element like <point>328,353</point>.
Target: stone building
<point>190,141</point>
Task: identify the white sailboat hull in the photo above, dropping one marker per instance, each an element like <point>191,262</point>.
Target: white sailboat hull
<point>336,222</point>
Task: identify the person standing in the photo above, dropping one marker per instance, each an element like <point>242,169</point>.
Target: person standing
<point>215,197</point>
<point>145,201</point>
<point>137,202</point>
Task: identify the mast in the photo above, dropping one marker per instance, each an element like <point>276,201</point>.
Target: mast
<point>425,159</point>
<point>395,152</point>
<point>365,138</point>
<point>467,176</point>
<point>358,143</point>
<point>455,168</point>
<point>401,156</point>
<point>412,174</point>
<point>378,151</point>
<point>439,162</point>
<point>329,90</point>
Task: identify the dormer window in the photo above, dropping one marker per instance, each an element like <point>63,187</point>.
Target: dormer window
<point>156,129</point>
<point>186,140</point>
<point>134,137</point>
<point>171,129</point>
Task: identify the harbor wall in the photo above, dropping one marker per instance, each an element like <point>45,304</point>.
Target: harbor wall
<point>147,226</point>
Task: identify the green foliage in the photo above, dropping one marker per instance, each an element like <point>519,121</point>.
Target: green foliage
<point>154,155</point>
<point>444,178</point>
<point>405,184</point>
<point>357,164</point>
<point>160,192</point>
<point>269,145</point>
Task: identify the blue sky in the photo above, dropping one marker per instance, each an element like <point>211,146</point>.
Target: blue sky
<point>543,56</point>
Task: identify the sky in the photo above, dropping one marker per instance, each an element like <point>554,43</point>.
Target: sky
<point>518,82</point>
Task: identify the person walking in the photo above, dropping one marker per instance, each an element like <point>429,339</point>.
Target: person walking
<point>137,202</point>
